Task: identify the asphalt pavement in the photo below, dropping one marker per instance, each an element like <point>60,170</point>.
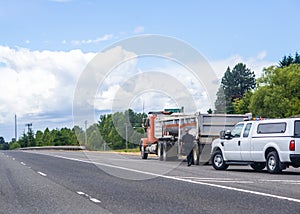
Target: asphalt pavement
<point>93,182</point>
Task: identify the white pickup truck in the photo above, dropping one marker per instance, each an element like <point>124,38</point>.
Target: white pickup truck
<point>273,143</point>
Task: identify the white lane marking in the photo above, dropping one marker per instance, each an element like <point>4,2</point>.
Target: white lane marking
<point>24,164</point>
<point>14,159</point>
<point>95,200</point>
<point>89,197</point>
<point>189,181</point>
<point>42,174</point>
<point>81,193</point>
<point>218,180</point>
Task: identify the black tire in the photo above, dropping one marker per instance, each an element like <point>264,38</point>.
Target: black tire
<point>159,151</point>
<point>218,161</point>
<point>273,163</point>
<point>258,166</point>
<point>165,152</point>
<point>144,155</point>
<point>196,154</point>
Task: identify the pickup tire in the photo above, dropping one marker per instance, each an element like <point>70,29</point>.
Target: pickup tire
<point>258,166</point>
<point>273,163</point>
<point>218,161</point>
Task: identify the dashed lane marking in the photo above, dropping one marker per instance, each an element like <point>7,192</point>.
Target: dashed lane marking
<point>89,197</point>
<point>24,164</point>
<point>42,174</point>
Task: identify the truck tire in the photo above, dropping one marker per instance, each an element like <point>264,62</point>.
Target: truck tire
<point>159,151</point>
<point>258,166</point>
<point>165,152</point>
<point>218,161</point>
<point>273,163</point>
<point>144,155</point>
<point>196,154</point>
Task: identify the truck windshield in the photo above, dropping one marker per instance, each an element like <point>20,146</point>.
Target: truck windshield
<point>297,128</point>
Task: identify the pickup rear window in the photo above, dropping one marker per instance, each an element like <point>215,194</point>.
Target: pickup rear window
<point>297,128</point>
<point>269,128</point>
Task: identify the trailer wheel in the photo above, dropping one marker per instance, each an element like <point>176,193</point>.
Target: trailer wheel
<point>165,151</point>
<point>218,161</point>
<point>159,151</point>
<point>273,163</point>
<point>144,155</point>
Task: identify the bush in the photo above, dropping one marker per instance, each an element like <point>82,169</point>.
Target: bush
<point>14,145</point>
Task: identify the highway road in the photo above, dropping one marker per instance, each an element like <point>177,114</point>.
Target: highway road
<point>93,182</point>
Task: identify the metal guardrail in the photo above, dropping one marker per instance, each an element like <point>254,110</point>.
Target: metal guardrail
<point>54,148</point>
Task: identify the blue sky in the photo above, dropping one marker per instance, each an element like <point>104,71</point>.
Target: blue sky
<point>53,40</point>
<point>216,28</point>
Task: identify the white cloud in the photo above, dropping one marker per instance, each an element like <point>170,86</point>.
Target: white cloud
<point>139,29</point>
<point>37,82</point>
<point>92,41</point>
<point>256,64</point>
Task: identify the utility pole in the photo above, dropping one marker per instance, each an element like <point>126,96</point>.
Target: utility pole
<point>126,136</point>
<point>16,135</point>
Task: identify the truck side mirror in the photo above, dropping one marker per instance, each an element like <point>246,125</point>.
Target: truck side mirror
<point>228,135</point>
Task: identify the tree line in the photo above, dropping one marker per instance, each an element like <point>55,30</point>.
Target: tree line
<point>112,131</point>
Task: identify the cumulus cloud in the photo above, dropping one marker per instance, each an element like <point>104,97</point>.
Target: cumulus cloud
<point>36,82</point>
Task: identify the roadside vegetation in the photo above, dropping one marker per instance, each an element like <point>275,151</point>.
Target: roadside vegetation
<point>276,94</point>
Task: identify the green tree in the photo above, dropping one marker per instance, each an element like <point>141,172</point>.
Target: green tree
<point>113,129</point>
<point>288,60</point>
<point>3,145</point>
<point>241,106</point>
<point>23,141</point>
<point>235,83</point>
<point>39,138</point>
<point>278,92</point>
<point>47,139</point>
<point>31,139</point>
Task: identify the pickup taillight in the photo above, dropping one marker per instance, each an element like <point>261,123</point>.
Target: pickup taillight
<point>292,145</point>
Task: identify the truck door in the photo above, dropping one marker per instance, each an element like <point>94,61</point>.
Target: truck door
<point>232,146</point>
<point>245,143</point>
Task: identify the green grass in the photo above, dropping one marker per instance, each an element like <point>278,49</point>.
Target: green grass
<point>128,150</point>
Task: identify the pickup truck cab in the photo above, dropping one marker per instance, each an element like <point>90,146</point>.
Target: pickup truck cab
<point>273,143</point>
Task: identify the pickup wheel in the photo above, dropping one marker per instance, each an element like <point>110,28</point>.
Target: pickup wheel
<point>218,161</point>
<point>273,163</point>
<point>144,155</point>
<point>258,166</point>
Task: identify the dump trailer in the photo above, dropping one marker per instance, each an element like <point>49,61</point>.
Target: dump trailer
<point>164,132</point>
